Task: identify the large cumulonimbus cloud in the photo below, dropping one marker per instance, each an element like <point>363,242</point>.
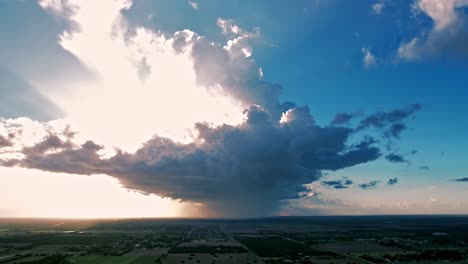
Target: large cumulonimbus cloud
<point>236,169</point>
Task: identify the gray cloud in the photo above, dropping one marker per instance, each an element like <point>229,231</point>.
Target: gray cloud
<point>400,158</point>
<point>341,119</point>
<point>369,185</point>
<point>247,168</point>
<point>462,180</point>
<point>395,130</point>
<point>338,184</point>
<point>6,141</point>
<point>390,120</point>
<point>392,181</point>
<point>396,158</point>
<point>230,70</point>
<point>424,167</point>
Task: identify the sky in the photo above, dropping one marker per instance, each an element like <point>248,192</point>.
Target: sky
<point>204,108</point>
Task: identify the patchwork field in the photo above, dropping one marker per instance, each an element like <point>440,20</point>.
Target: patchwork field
<point>319,240</point>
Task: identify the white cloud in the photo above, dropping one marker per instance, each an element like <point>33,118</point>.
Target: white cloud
<point>410,50</point>
<point>377,8</point>
<point>239,43</point>
<point>447,33</point>
<point>443,13</point>
<point>231,29</point>
<point>368,58</point>
<point>228,27</point>
<point>194,5</point>
<point>140,77</point>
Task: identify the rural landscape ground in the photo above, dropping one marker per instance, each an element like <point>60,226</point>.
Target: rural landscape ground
<point>324,240</point>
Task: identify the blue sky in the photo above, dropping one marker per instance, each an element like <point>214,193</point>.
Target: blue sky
<point>358,57</point>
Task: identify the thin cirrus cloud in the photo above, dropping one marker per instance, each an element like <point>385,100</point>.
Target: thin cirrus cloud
<point>190,119</point>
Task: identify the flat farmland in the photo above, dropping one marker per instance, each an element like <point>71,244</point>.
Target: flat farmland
<point>226,258</point>
<point>112,259</point>
<point>356,247</point>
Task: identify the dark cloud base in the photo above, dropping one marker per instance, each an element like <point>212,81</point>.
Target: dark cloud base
<point>236,171</point>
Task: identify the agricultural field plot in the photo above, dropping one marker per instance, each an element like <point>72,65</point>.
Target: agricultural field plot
<point>275,246</point>
<point>112,259</point>
<point>156,252</point>
<point>314,261</point>
<point>356,247</point>
<point>25,260</point>
<point>208,247</point>
<point>268,241</point>
<point>228,258</point>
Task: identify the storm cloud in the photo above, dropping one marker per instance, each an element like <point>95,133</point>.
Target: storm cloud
<point>237,170</point>
<point>260,161</point>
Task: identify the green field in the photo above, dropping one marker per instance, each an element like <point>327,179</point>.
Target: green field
<point>321,240</point>
<point>112,260</point>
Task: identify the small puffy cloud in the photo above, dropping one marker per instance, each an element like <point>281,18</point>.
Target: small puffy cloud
<point>368,58</point>
<point>240,39</point>
<point>228,27</point>
<point>392,181</point>
<point>341,119</point>
<point>377,8</point>
<point>193,4</point>
<point>410,51</point>
<point>448,34</point>
<point>369,185</point>
<point>400,158</point>
<point>396,158</point>
<point>338,184</point>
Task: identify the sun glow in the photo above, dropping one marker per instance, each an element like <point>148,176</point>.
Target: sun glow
<point>142,86</point>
